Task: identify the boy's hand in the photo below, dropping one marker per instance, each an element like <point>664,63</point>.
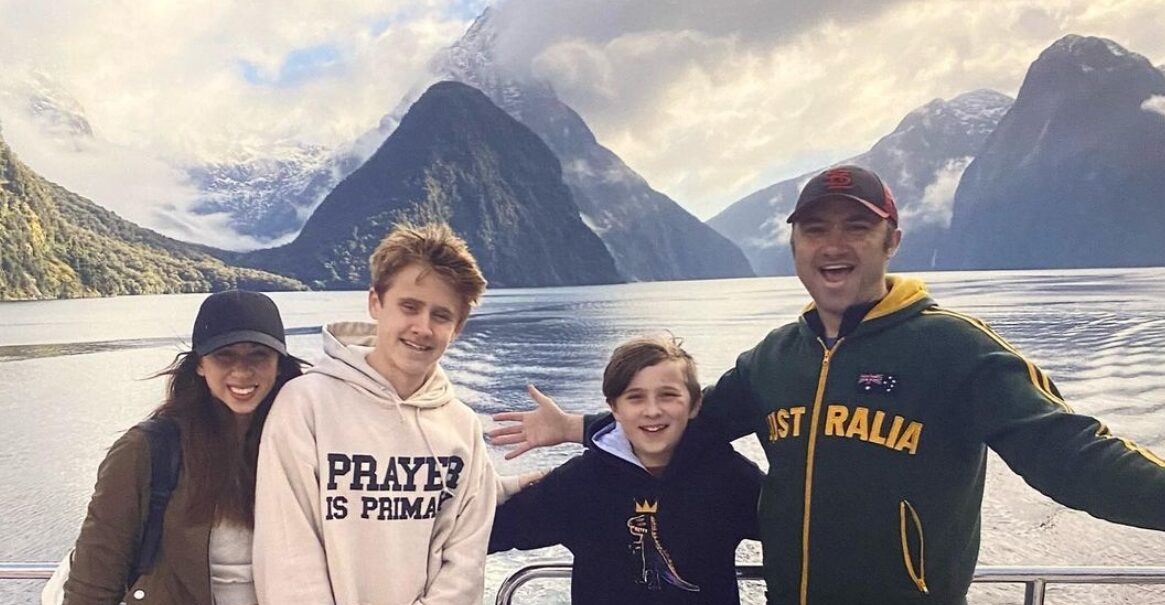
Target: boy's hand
<point>543,426</point>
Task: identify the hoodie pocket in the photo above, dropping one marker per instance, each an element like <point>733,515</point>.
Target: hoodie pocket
<point>910,525</point>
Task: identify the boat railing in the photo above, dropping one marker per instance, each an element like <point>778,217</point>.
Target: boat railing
<point>1034,579</point>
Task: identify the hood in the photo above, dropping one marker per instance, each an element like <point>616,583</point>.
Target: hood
<point>901,293</point>
<point>347,345</point>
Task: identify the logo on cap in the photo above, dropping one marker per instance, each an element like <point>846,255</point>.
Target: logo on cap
<point>838,178</point>
<point>852,182</point>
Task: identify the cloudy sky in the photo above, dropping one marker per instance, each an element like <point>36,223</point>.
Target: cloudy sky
<point>708,101</point>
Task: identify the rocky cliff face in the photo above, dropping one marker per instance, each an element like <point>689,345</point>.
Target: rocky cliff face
<point>1074,174</point>
<point>921,160</point>
<point>454,157</point>
<point>649,235</point>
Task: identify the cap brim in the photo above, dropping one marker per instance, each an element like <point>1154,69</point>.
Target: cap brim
<point>871,207</point>
<point>230,338</point>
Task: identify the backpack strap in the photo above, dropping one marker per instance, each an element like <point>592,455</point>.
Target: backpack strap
<point>165,463</point>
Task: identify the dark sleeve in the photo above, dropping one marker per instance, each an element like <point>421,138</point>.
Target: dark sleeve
<point>746,486</point>
<point>1072,458</point>
<point>540,515</point>
<point>107,545</point>
<point>731,402</point>
<point>589,422</point>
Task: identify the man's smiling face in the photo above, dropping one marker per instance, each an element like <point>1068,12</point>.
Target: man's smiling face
<point>840,251</point>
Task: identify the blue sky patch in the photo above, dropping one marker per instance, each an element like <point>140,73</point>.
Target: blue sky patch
<point>299,65</point>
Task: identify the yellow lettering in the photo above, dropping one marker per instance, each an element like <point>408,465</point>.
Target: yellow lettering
<point>910,437</point>
<point>876,429</point>
<point>859,424</point>
<point>783,423</point>
<point>895,427</point>
<point>797,413</point>
<point>772,420</point>
<point>835,416</point>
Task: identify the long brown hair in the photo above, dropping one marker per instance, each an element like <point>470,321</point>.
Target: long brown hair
<point>217,463</point>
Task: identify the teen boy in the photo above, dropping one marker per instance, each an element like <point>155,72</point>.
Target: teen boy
<point>654,511</point>
<point>374,484</point>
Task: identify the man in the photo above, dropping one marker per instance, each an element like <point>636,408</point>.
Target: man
<point>875,410</point>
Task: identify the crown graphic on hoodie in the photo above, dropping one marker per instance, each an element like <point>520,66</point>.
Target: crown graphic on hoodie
<point>646,506</point>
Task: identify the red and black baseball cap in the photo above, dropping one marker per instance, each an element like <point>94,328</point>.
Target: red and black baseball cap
<point>852,182</point>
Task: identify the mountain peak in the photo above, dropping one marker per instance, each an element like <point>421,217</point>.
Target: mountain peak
<point>1091,53</point>
<point>1078,138</point>
<point>458,158</point>
<point>649,235</point>
<point>981,97</point>
<point>976,112</point>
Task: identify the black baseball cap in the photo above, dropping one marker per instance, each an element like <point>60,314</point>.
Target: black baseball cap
<point>853,182</point>
<point>234,316</point>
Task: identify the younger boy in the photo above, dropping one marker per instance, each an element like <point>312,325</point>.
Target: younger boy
<point>655,509</point>
<point>374,484</point>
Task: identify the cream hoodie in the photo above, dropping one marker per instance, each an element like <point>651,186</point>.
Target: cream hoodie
<point>367,499</point>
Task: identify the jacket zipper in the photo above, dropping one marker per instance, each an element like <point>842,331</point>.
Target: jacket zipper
<point>816,418</point>
<point>917,575</point>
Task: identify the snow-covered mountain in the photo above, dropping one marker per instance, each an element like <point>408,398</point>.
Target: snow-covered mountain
<point>263,193</point>
<point>1073,175</point>
<point>269,195</point>
<point>648,234</point>
<point>921,161</point>
<point>35,96</point>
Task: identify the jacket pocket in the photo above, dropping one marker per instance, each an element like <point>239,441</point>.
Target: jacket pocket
<point>910,524</point>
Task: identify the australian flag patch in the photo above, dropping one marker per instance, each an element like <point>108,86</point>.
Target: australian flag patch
<point>873,382</point>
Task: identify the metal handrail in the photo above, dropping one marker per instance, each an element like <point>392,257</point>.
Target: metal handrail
<point>1034,579</point>
<point>27,571</point>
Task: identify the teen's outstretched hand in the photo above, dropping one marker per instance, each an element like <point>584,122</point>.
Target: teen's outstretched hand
<point>543,426</point>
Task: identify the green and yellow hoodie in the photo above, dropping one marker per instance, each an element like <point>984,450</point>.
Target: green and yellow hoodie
<point>877,450</point>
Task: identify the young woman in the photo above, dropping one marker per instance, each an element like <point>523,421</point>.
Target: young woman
<point>218,396</point>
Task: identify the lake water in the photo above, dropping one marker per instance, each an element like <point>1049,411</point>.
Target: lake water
<point>72,379</point>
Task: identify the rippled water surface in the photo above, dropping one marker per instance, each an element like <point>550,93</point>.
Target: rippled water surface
<point>72,379</point>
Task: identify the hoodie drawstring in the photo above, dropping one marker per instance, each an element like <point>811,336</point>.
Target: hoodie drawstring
<point>440,467</point>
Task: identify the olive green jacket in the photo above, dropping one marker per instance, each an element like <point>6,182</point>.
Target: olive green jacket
<point>107,546</point>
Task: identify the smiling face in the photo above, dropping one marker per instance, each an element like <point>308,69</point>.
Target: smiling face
<point>654,410</point>
<point>840,250</point>
<point>417,317</point>
<point>240,375</point>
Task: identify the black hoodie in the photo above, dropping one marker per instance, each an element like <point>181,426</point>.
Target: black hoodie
<point>637,538</point>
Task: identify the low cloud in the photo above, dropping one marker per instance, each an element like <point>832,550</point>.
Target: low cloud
<point>209,80</point>
<point>705,101</point>
<point>938,199</point>
<point>1155,104</point>
<point>135,185</point>
<point>708,101</point>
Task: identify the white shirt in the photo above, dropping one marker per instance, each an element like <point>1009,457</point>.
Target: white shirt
<point>231,580</point>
